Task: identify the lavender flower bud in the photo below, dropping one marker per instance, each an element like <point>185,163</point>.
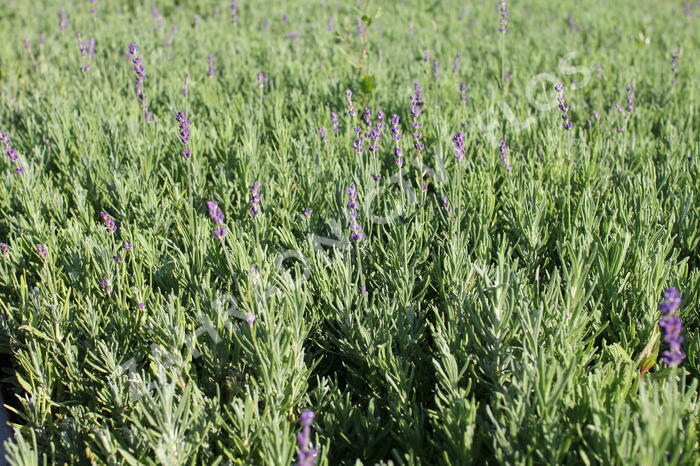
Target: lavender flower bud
<point>255,199</point>
<point>109,223</point>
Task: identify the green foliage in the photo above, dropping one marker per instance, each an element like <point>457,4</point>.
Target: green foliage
<point>521,327</point>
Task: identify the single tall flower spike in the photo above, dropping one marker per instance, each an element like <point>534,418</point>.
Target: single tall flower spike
<point>306,454</point>
<point>503,152</point>
<point>505,13</point>
<point>458,140</point>
<point>351,108</point>
<point>184,127</point>
<point>356,233</point>
<point>671,327</point>
<point>212,66</point>
<point>463,92</point>
<point>255,199</point>
<point>140,71</point>
<point>563,106</point>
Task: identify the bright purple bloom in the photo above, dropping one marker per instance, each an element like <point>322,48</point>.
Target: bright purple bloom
<point>109,222</point>
<point>395,128</point>
<point>118,259</point>
<point>4,248</point>
<point>671,327</point>
<point>255,199</point>
<point>141,306</point>
<point>358,144</point>
<point>218,217</point>
<point>127,246</point>
<point>376,177</point>
<point>308,212</point>
<point>215,212</point>
<point>458,140</point>
<point>306,454</point>
<point>367,116</point>
<point>140,71</point>
<point>671,302</point>
<point>322,133</point>
<point>184,128</point>
<point>41,250</point>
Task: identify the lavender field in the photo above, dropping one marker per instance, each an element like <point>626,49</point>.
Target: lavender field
<point>360,232</point>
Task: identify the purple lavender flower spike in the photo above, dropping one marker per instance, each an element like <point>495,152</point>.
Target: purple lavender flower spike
<point>127,246</point>
<point>675,60</point>
<point>64,20</point>
<point>335,122</point>
<point>630,99</point>
<point>322,134</point>
<point>4,248</point>
<point>212,65</point>
<point>141,306</point>
<point>503,152</point>
<point>41,250</point>
<point>109,223</point>
<point>184,129</point>
<point>504,16</point>
<point>356,233</point>
<point>215,213</point>
<point>446,205</point>
<point>671,326</point>
<point>234,11</point>
<point>367,116</point>
<point>351,108</point>
<point>217,217</point>
<point>671,302</point>
<point>563,106</point>
<point>255,199</point>
<point>140,71</point>
<point>306,454</point>
<point>105,285</point>
<point>458,140</point>
<point>308,212</point>
<point>463,93</point>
